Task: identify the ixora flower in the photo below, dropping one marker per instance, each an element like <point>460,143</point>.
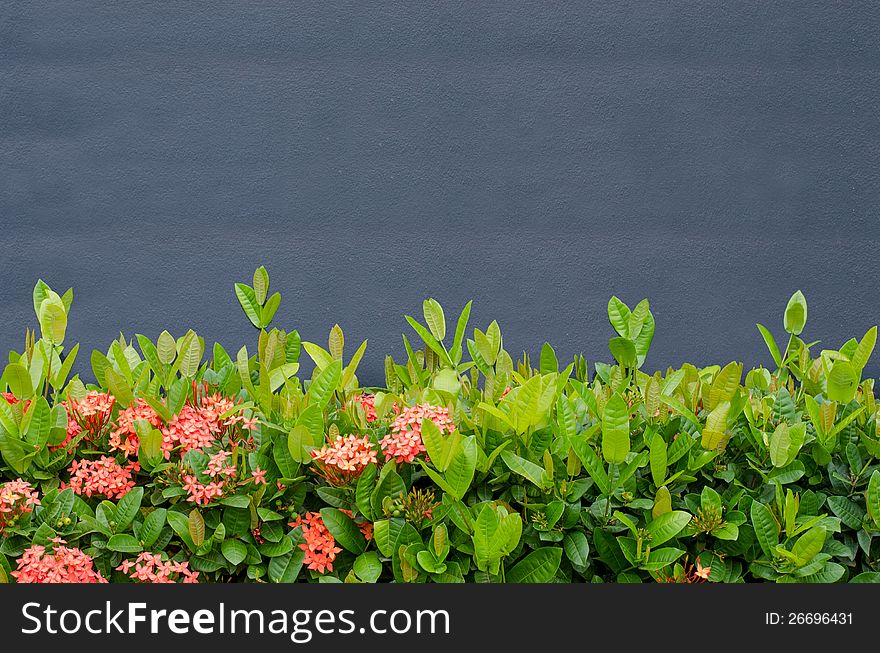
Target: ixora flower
<point>16,499</point>
<point>124,437</point>
<point>368,402</point>
<point>222,476</point>
<point>200,425</point>
<point>89,417</point>
<point>687,573</point>
<point>62,565</point>
<point>11,399</point>
<point>151,568</point>
<point>404,442</point>
<point>344,459</point>
<point>320,546</point>
<point>102,477</point>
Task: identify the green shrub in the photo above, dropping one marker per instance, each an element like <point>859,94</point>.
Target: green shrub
<point>467,466</point>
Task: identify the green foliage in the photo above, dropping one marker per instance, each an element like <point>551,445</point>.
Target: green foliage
<point>469,465</point>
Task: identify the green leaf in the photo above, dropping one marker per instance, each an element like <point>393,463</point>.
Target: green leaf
<point>386,533</point>
<point>577,549</point>
<point>666,526</point>
<point>368,567</point>
<point>441,449</point>
<point>766,528</point>
<point>460,473</point>
<point>539,566</point>
<point>865,349</point>
<point>618,315</point>
<point>658,460</point>
<point>808,545</point>
<point>150,448</point>
<point>770,341</point>
<point>234,550</point>
<point>344,530</point>
<point>124,544</point>
<point>796,314</point>
<point>248,300</point>
<point>152,527</point>
<point>53,319</point>
<point>624,351</point>
<point>261,285</point>
<point>190,355</point>
<point>850,513</point>
<point>285,568</point>
<point>166,348</point>
<point>127,508</point>
<point>615,430</point>
<point>524,468</point>
<point>365,485</point>
<point>872,497</point>
<point>549,363</point>
<point>118,387</point>
<point>336,342</point>
<point>434,318</point>
<point>18,379</point>
<point>842,381</point>
<point>324,385</point>
<point>714,436</point>
<point>662,502</point>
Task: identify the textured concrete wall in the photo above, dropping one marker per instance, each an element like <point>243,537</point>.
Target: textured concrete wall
<point>536,158</point>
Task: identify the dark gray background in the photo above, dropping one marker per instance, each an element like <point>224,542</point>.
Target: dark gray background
<point>713,157</point>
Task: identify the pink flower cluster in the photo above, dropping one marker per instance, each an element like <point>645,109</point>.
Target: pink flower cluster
<point>63,565</point>
<point>344,459</point>
<point>16,498</point>
<point>150,568</point>
<point>91,414</point>
<point>199,425</point>
<point>219,470</point>
<point>124,437</point>
<point>368,401</point>
<point>405,440</point>
<point>103,477</point>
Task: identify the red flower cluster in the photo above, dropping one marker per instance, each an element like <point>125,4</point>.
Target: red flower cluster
<point>91,414</point>
<point>368,401</point>
<point>11,399</point>
<point>16,498</point>
<point>221,473</point>
<point>405,441</point>
<point>124,438</point>
<point>150,568</point>
<point>344,459</point>
<point>199,425</point>
<point>320,546</point>
<point>103,477</point>
<point>63,565</point>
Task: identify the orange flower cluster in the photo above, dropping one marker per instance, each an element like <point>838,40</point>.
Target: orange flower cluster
<point>320,546</point>
<point>63,565</point>
<point>103,477</point>
<point>405,441</point>
<point>124,437</point>
<point>344,459</point>
<point>16,498</point>
<point>368,401</point>
<point>150,568</point>
<point>91,414</point>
